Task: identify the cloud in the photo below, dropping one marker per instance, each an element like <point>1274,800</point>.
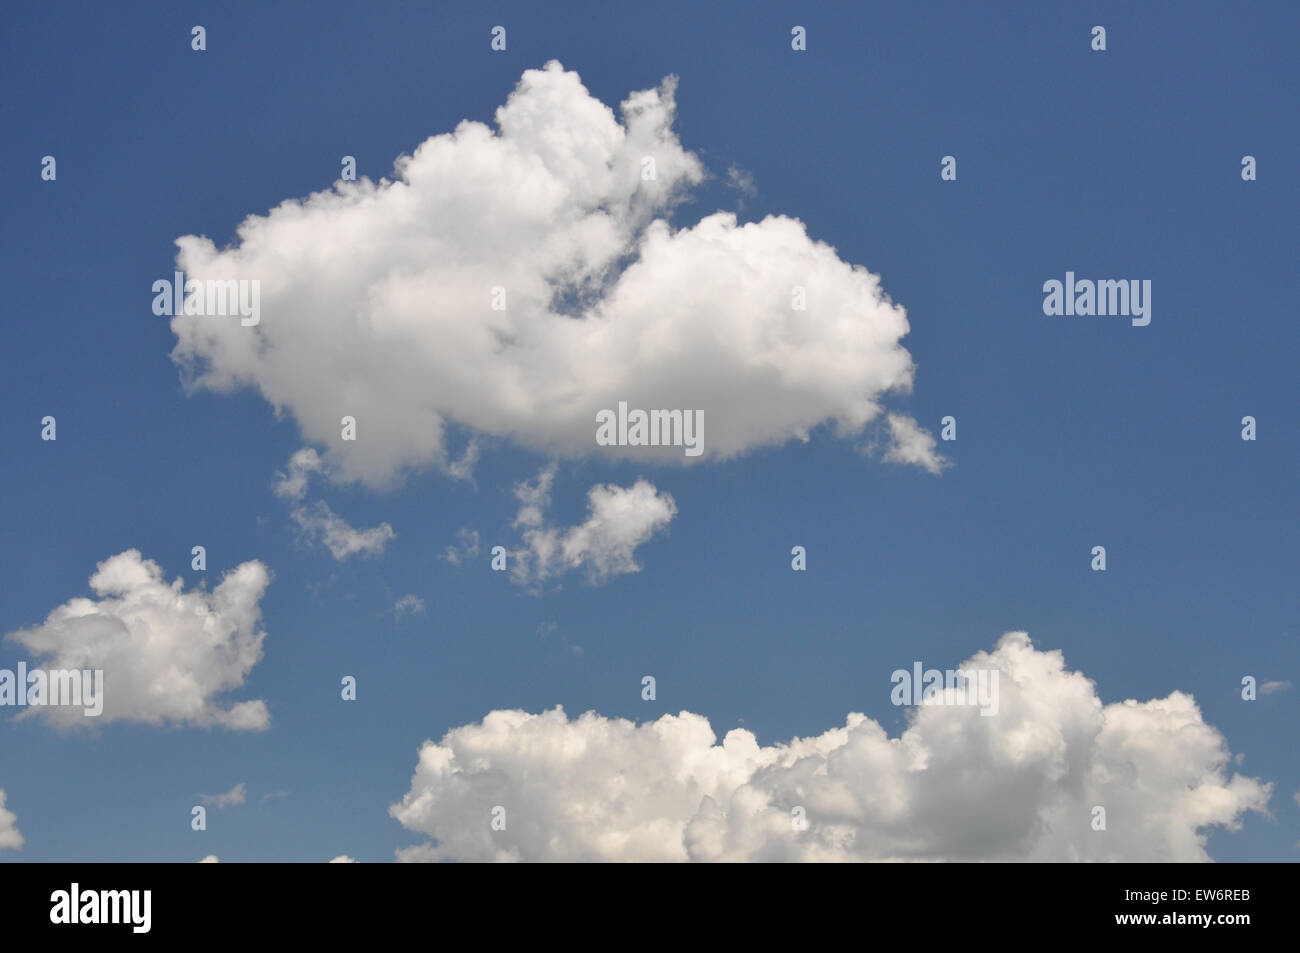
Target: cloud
<point>342,859</point>
<point>955,785</point>
<point>408,605</point>
<point>463,469</point>
<point>9,835</point>
<point>464,549</point>
<point>235,797</point>
<point>742,181</point>
<point>1272,688</point>
<point>618,521</point>
<point>547,629</point>
<point>377,299</point>
<point>210,859</point>
<point>293,484</point>
<point>166,654</point>
<point>911,443</point>
<point>319,523</point>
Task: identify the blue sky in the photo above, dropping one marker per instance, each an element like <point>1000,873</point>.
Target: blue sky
<point>1072,432</point>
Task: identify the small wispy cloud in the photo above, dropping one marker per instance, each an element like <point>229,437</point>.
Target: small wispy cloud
<point>546,629</point>
<point>910,443</point>
<point>408,605</point>
<point>741,180</point>
<point>235,797</point>
<point>619,520</point>
<point>464,549</point>
<point>320,523</point>
<point>317,521</point>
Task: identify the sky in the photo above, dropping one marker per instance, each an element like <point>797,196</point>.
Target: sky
<point>482,291</point>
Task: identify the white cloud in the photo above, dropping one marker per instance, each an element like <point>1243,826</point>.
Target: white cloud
<point>293,484</point>
<point>320,523</point>
<point>166,654</point>
<point>463,469</point>
<point>910,443</point>
<point>464,549</point>
<point>317,521</point>
<point>235,797</point>
<point>955,785</point>
<point>9,835</point>
<point>408,605</point>
<point>340,859</point>
<point>376,299</point>
<point>619,520</point>
<point>741,181</point>
<point>1272,688</point>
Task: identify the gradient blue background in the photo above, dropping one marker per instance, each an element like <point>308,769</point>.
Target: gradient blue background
<point>1073,432</point>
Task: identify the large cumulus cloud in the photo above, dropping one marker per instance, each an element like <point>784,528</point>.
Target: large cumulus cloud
<point>376,298</point>
<point>167,655</point>
<point>955,785</point>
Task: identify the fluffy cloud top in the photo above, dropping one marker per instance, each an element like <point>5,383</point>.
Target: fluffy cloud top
<point>9,835</point>
<point>377,298</point>
<point>166,653</point>
<point>956,785</point>
<point>619,519</point>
